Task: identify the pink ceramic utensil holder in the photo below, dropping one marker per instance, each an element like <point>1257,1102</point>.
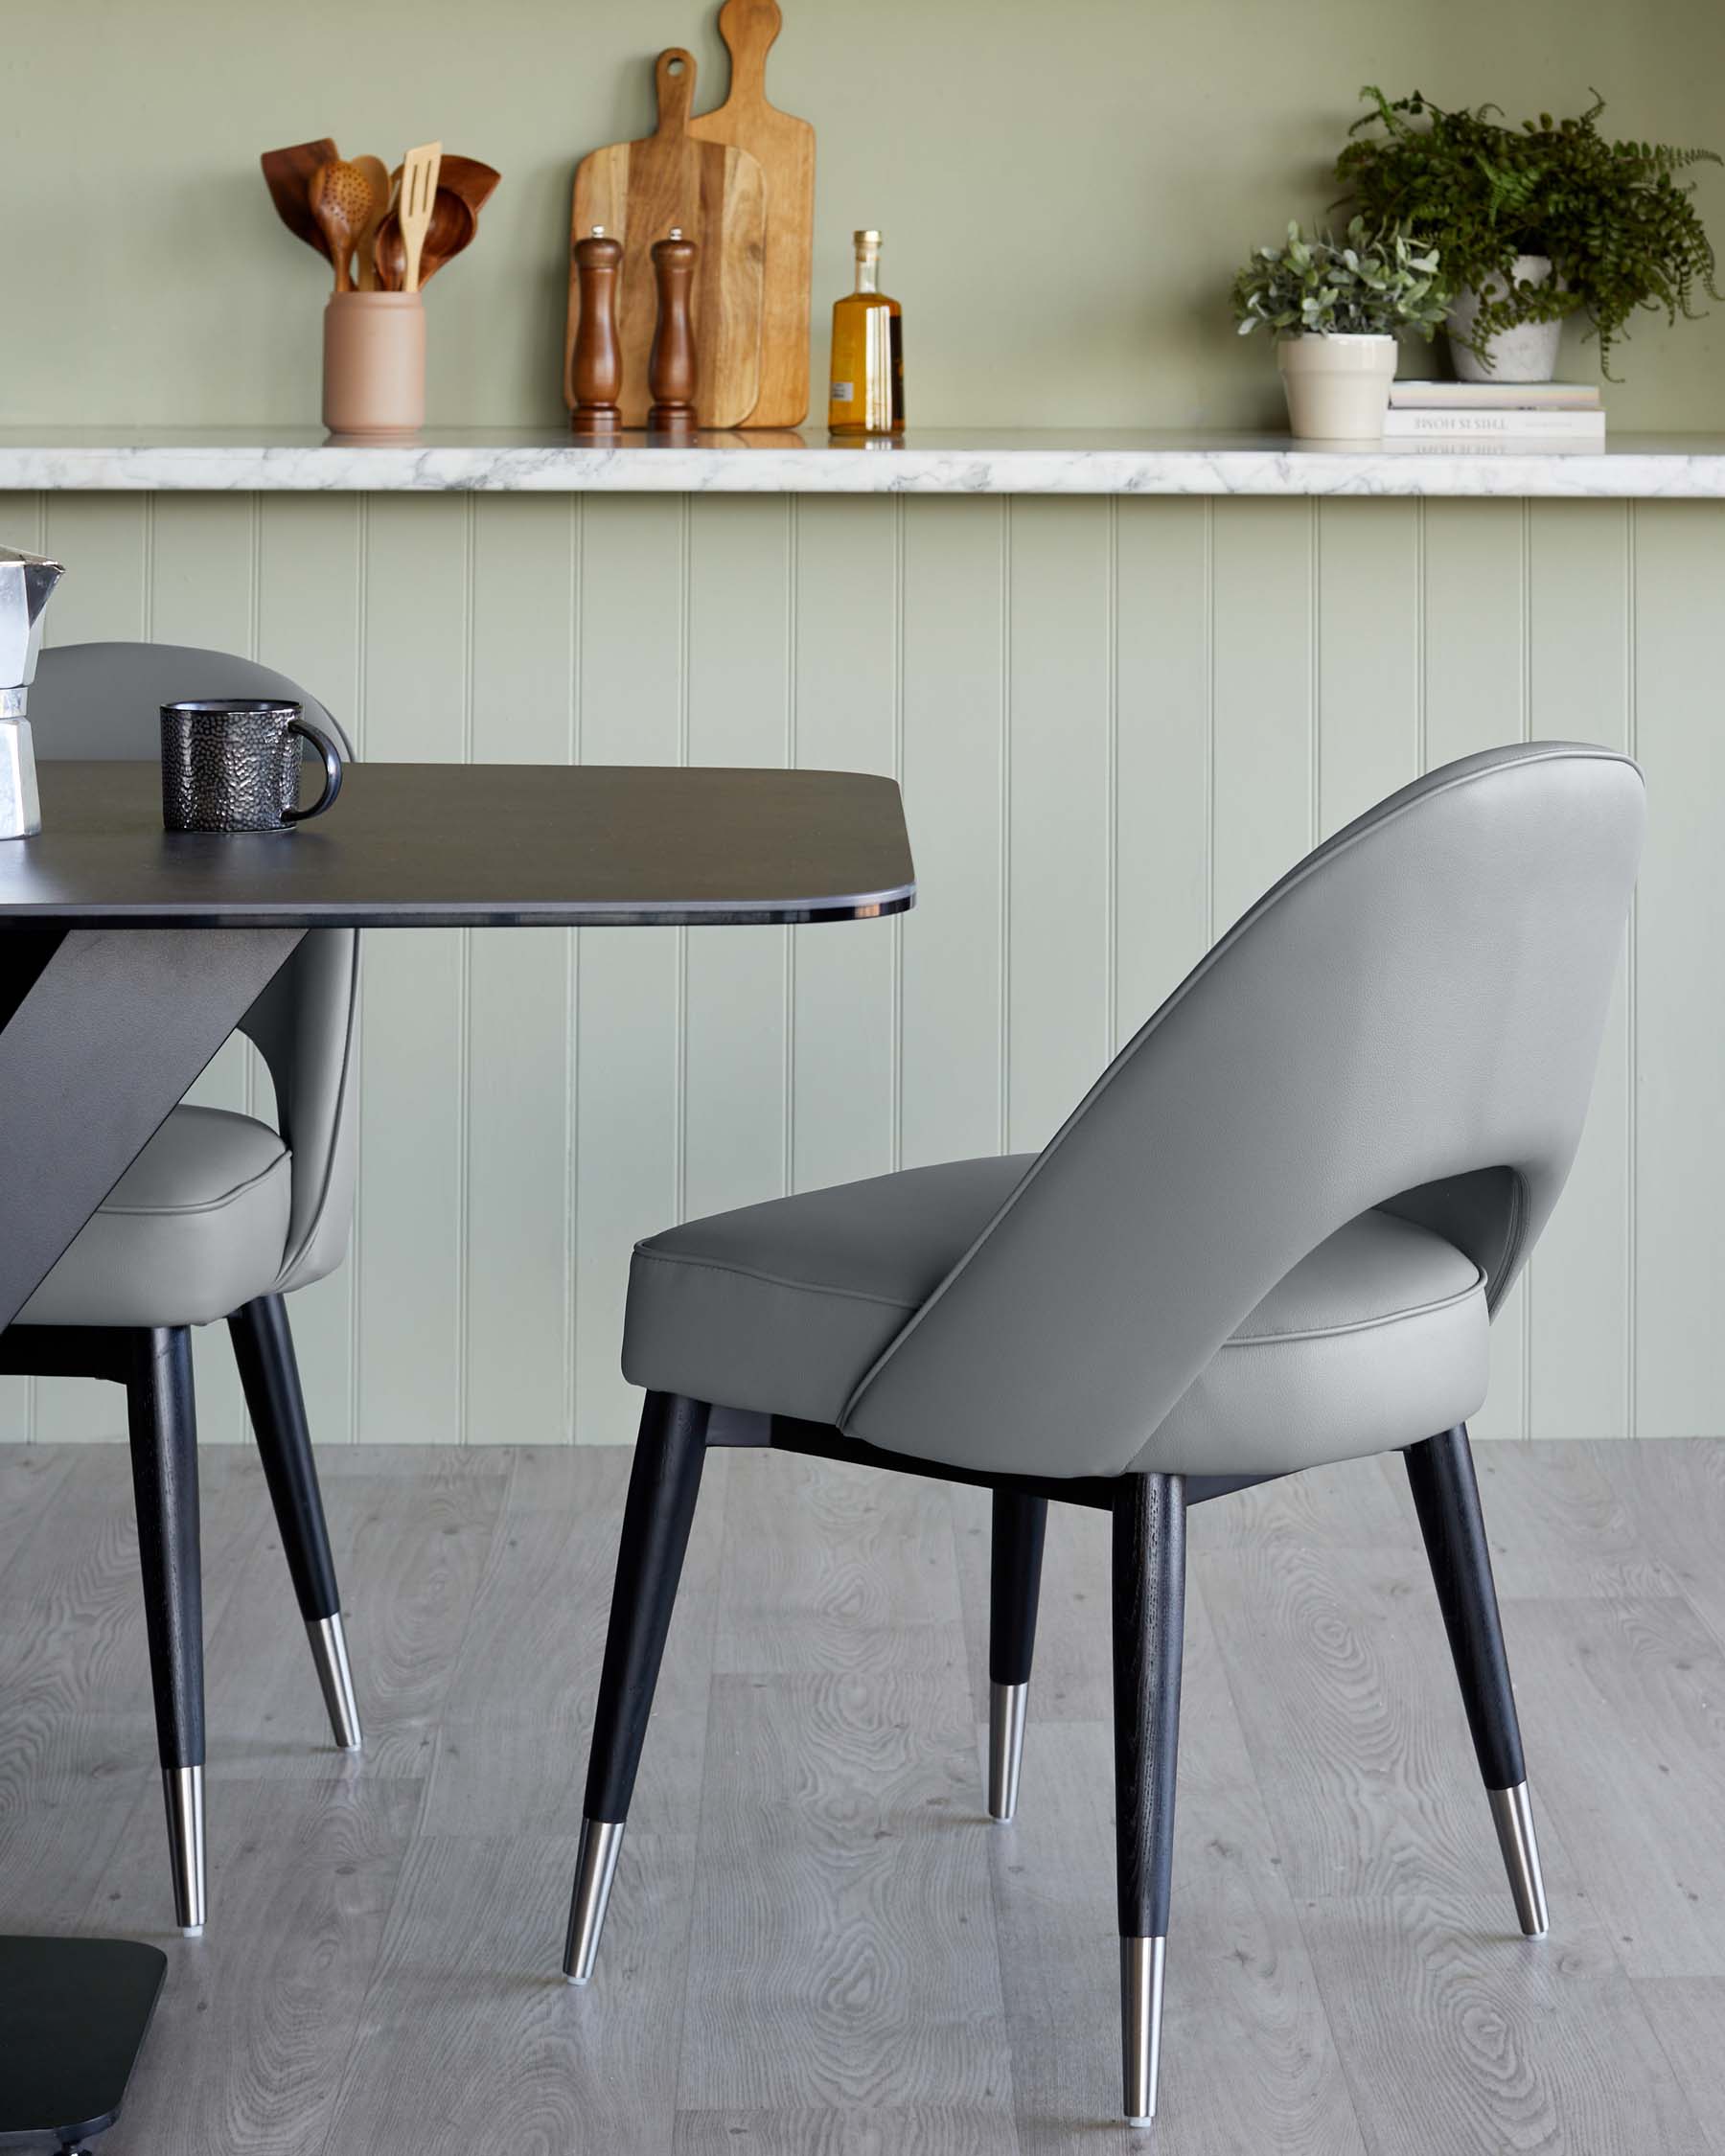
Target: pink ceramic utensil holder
<point>373,383</point>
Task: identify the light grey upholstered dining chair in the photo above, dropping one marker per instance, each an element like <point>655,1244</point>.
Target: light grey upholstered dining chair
<point>219,1218</point>
<point>1271,1236</point>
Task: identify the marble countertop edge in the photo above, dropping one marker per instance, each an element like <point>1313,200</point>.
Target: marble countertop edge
<point>934,462</point>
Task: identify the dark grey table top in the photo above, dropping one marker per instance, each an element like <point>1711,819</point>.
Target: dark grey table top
<point>464,845</point>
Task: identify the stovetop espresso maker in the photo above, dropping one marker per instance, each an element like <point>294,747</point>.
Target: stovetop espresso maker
<point>26,583</point>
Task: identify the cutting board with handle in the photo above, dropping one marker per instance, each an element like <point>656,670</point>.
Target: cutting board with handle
<point>716,194</point>
<point>785,148</point>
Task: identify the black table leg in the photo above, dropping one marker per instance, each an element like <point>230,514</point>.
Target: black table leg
<point>101,1031</point>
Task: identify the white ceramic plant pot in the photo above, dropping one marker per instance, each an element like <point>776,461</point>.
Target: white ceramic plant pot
<point>1338,388</point>
<point>1527,353</point>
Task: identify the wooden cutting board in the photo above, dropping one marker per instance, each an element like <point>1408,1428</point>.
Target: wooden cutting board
<point>786,150</point>
<point>716,194</point>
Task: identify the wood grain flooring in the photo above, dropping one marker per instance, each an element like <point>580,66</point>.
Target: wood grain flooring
<point>817,1947</point>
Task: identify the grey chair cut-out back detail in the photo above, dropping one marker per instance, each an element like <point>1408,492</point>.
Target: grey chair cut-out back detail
<point>219,1218</point>
<point>1272,1235</point>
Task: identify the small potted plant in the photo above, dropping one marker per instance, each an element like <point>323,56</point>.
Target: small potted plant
<point>1333,307</point>
<point>1532,225</point>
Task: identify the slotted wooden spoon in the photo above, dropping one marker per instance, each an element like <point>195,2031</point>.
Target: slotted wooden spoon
<point>340,202</point>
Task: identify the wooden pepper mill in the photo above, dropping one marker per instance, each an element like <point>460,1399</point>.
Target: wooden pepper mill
<point>598,366</point>
<point>670,371</point>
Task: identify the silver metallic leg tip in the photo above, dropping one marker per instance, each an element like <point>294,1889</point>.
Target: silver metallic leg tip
<point>1140,2025</point>
<point>595,1868</point>
<point>330,1655</point>
<point>182,1793</point>
<point>1512,1815</point>
<point>1005,1748</point>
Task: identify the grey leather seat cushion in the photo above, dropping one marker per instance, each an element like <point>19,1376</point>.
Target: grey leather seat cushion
<point>1377,1338</point>
<point>195,1227</point>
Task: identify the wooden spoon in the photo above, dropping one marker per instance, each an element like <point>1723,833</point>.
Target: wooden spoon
<point>365,246</point>
<point>288,174</point>
<point>340,200</point>
<point>464,185</point>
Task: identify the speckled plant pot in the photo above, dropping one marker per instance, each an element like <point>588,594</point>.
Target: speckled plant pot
<point>1338,388</point>
<point>1527,353</point>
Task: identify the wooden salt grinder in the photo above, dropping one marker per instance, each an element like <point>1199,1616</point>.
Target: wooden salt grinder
<point>598,370</point>
<point>670,371</point>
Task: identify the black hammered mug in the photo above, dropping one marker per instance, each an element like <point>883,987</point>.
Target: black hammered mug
<point>232,764</point>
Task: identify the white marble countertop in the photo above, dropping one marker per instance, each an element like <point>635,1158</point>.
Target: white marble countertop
<point>1071,461</point>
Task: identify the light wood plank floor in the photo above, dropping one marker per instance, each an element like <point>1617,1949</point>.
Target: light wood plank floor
<point>817,1943</point>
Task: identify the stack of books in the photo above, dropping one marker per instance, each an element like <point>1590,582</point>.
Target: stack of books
<point>1547,415</point>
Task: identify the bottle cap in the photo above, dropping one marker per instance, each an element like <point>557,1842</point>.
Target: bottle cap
<point>866,238</point>
<point>676,232</point>
<point>597,233</point>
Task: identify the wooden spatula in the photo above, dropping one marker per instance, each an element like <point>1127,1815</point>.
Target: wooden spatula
<point>414,205</point>
<point>288,174</point>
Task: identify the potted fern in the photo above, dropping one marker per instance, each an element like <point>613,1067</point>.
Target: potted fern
<point>1333,307</point>
<point>1532,224</point>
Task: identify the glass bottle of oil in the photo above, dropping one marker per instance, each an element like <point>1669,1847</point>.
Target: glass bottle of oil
<point>867,390</point>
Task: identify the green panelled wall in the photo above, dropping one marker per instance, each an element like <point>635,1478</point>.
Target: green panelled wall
<point>1114,721</point>
<point>1066,189</point>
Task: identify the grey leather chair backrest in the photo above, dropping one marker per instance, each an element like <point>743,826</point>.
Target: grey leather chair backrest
<point>102,702</point>
<point>1410,1020</point>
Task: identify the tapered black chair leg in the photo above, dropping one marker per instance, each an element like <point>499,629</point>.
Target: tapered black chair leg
<point>1149,1621</point>
<point>663,1486</point>
<point>1447,1498</point>
<point>1014,1589</point>
<point>162,1417</point>
<point>269,1375</point>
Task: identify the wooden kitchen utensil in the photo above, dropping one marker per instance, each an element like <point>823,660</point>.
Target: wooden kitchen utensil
<point>598,361</point>
<point>464,185</point>
<point>340,202</point>
<point>365,246</point>
<point>673,369</point>
<point>785,148</point>
<point>413,206</point>
<point>716,194</point>
<point>288,175</point>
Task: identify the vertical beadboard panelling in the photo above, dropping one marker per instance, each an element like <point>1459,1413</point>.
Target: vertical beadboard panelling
<point>520,1285</point>
<point>202,586</point>
<point>1475,696</point>
<point>412,1059</point>
<point>1368,684</point>
<point>1274,669</point>
<point>203,593</point>
<point>1060,694</point>
<point>104,541</point>
<point>311,587</point>
<point>952,641</point>
<point>1579,676</point>
<point>736,979</point>
<point>629,1028</point>
<point>22,521</point>
<point>845,652</point>
<point>1162,752</point>
<point>1679,574</point>
<point>21,525</point>
<point>1263,659</point>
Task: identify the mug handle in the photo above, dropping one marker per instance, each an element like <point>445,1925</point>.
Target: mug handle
<point>332,764</point>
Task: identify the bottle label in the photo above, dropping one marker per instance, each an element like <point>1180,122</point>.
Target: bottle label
<point>842,392</point>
